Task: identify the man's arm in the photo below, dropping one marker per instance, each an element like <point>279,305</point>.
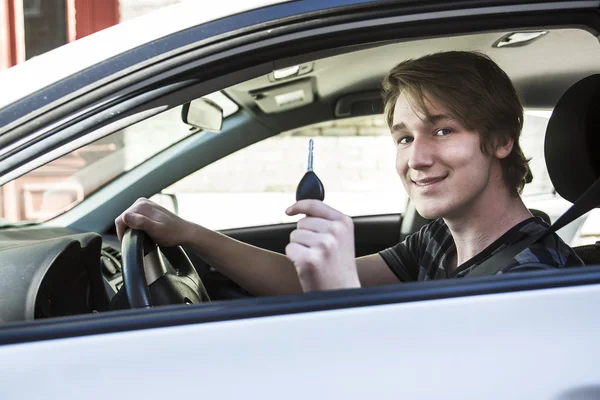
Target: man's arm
<point>257,270</point>
<point>373,271</point>
<point>267,273</point>
<point>260,271</point>
<point>264,272</point>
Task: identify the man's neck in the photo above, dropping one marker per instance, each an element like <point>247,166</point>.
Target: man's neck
<point>492,216</point>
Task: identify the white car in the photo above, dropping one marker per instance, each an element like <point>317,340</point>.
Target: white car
<point>90,127</point>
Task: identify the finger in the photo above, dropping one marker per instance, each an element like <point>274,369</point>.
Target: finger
<point>298,254</point>
<point>120,227</point>
<point>147,208</point>
<point>314,208</point>
<point>140,206</point>
<point>139,221</point>
<point>150,210</point>
<point>319,225</point>
<point>307,238</point>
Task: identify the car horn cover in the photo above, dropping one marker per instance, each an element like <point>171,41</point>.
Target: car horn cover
<point>571,144</point>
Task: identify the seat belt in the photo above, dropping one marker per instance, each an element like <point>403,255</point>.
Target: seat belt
<point>589,200</point>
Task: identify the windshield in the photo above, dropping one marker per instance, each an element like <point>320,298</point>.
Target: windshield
<point>58,186</point>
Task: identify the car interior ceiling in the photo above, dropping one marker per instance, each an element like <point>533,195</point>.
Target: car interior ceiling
<point>359,73</point>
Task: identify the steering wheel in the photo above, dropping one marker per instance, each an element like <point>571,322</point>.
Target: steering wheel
<point>148,282</point>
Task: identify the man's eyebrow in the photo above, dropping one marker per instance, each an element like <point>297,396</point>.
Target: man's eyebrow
<point>398,127</point>
<point>432,120</point>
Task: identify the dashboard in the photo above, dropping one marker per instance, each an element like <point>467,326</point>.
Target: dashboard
<point>50,272</point>
<point>54,271</point>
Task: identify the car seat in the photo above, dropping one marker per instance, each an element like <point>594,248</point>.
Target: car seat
<point>571,147</point>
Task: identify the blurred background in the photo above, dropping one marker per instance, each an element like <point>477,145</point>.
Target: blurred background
<point>31,27</point>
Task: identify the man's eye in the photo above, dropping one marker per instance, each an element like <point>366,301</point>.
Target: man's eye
<point>405,140</point>
<point>443,132</point>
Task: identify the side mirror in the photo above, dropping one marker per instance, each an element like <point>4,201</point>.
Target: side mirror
<point>203,114</point>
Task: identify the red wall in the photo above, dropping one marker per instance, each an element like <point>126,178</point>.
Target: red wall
<point>12,43</point>
<point>85,17</point>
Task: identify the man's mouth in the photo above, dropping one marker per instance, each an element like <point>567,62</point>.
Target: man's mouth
<point>428,181</point>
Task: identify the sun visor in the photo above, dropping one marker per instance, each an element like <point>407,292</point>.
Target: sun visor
<point>573,139</point>
<point>274,99</point>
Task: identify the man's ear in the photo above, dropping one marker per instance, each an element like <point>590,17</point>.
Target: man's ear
<point>504,149</point>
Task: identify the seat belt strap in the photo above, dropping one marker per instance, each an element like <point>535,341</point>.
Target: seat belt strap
<point>589,200</point>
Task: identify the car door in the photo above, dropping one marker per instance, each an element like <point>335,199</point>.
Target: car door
<point>532,336</point>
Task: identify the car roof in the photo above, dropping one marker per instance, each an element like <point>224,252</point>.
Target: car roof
<point>41,71</point>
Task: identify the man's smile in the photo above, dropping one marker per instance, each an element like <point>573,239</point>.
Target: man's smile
<point>428,181</point>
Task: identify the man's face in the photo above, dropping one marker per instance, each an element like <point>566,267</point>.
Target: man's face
<point>440,162</point>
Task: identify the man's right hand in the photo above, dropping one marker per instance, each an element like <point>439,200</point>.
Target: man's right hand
<point>165,228</point>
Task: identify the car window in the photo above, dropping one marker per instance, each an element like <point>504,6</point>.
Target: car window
<point>354,158</point>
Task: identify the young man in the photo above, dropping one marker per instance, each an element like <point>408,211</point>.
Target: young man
<point>455,119</point>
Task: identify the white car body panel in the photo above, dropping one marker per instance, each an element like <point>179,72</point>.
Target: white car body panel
<point>540,344</point>
<point>112,41</point>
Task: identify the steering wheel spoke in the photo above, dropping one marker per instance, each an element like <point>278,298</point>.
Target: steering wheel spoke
<point>147,281</point>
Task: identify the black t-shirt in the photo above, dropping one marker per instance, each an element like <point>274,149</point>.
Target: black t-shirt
<point>428,253</point>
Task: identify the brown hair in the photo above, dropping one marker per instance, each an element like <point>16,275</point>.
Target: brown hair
<point>475,90</point>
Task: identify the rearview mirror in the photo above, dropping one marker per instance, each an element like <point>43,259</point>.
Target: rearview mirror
<point>203,114</point>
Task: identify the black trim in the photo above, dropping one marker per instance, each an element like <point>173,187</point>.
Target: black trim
<point>131,320</point>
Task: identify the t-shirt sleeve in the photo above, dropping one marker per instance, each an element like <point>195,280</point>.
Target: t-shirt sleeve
<point>403,258</point>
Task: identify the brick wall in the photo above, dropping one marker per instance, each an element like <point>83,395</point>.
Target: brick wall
<point>352,155</point>
<point>353,158</point>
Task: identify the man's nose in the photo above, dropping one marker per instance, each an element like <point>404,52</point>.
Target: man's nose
<point>421,153</point>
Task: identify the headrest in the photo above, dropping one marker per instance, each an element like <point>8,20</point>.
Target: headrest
<point>572,144</point>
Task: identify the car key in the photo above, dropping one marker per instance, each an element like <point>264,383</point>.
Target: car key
<point>310,186</point>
